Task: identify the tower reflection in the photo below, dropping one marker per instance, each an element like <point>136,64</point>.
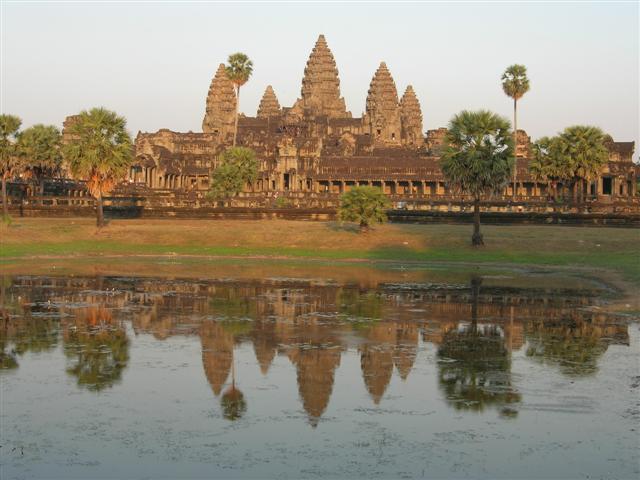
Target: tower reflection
<point>474,330</point>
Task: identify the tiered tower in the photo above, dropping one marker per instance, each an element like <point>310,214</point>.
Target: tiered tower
<point>382,116</point>
<point>411,118</point>
<point>269,105</point>
<point>221,105</point>
<point>321,85</point>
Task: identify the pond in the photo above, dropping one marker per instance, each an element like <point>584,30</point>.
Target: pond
<point>325,371</point>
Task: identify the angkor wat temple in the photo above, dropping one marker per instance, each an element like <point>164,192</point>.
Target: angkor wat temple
<point>317,146</point>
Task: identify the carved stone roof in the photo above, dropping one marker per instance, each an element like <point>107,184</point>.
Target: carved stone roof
<point>622,147</point>
<point>269,105</point>
<point>321,85</point>
<point>221,104</point>
<point>377,168</point>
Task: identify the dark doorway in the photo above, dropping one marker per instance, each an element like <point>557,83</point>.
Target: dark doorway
<point>286,181</point>
<point>606,185</point>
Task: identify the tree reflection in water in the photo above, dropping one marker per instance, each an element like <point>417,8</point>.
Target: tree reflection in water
<point>97,348</point>
<point>572,343</point>
<point>233,403</point>
<point>475,366</point>
<point>358,306</point>
<point>26,325</point>
<point>8,360</point>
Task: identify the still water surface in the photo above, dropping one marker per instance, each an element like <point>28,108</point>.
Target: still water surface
<point>374,375</point>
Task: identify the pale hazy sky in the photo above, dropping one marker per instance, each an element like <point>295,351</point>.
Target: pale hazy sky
<point>153,62</point>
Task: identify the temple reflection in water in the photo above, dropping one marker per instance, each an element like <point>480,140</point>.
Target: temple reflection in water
<point>473,329</point>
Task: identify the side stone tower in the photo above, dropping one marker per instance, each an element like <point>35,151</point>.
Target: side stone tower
<point>221,105</point>
<point>411,118</point>
<point>269,105</point>
<point>382,117</point>
<point>321,85</point>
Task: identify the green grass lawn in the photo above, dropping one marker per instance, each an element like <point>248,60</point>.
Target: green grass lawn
<point>615,249</point>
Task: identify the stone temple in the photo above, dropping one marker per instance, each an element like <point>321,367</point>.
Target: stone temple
<point>317,147</point>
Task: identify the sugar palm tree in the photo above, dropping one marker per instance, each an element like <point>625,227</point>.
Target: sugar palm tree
<point>478,158</point>
<point>100,152</point>
<point>480,376</point>
<point>585,150</point>
<point>10,161</point>
<point>40,147</point>
<point>238,70</point>
<point>549,163</point>
<point>515,84</point>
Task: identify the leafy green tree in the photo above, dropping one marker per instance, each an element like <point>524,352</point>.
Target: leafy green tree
<point>515,84</point>
<point>10,161</point>
<point>585,152</point>
<point>100,151</point>
<point>239,167</point>
<point>238,70</point>
<point>478,158</point>
<point>41,148</point>
<point>364,205</point>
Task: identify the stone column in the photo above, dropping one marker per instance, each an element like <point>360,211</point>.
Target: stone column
<point>614,187</point>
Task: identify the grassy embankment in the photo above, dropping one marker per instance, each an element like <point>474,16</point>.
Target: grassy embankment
<point>599,248</point>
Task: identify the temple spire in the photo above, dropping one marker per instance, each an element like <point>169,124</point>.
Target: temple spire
<point>411,118</point>
<point>221,105</point>
<point>269,105</point>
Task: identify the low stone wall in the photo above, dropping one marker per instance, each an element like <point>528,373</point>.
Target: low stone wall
<point>211,213</point>
<point>325,214</point>
<point>520,218</point>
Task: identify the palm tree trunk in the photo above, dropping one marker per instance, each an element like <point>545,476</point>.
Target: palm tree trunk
<point>235,127</point>
<point>476,282</point>
<point>581,191</point>
<point>515,145</point>
<point>476,239</point>
<point>99,211</point>
<point>5,204</point>
<point>41,189</point>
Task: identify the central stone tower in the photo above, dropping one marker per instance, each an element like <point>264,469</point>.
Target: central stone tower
<point>321,85</point>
